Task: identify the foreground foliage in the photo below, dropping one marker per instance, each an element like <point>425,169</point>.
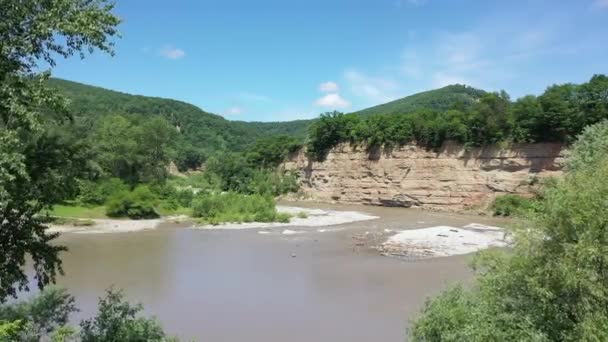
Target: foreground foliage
<point>553,285</point>
<point>39,164</point>
<point>46,317</point>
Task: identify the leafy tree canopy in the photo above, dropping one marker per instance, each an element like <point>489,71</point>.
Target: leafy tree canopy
<point>34,161</point>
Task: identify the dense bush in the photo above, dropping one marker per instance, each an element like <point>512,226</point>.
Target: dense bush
<point>238,174</point>
<point>271,151</point>
<point>45,317</point>
<point>512,205</point>
<point>552,286</point>
<point>183,197</point>
<point>97,193</point>
<point>39,316</point>
<point>137,204</point>
<point>591,147</point>
<point>118,320</point>
<point>558,115</point>
<point>234,207</point>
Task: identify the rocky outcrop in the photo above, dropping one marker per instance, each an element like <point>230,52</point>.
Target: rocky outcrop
<point>451,178</point>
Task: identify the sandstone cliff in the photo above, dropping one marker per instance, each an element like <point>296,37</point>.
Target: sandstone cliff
<point>451,178</point>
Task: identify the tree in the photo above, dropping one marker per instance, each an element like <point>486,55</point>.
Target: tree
<point>271,151</point>
<point>134,151</point>
<point>154,146</point>
<point>45,317</point>
<point>329,130</point>
<point>490,122</point>
<point>40,316</point>
<point>33,34</point>
<point>118,321</point>
<point>561,118</point>
<point>117,148</point>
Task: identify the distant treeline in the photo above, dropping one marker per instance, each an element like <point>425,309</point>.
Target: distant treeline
<point>558,115</point>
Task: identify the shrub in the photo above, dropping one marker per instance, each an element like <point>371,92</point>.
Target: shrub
<point>138,204</point>
<point>119,320</point>
<point>234,207</point>
<point>283,217</point>
<point>97,193</point>
<point>553,284</point>
<point>512,205</point>
<point>39,315</point>
<point>591,147</point>
<point>183,197</point>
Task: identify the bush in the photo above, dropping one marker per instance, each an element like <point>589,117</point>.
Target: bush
<point>234,207</point>
<point>97,193</point>
<point>118,320</point>
<point>39,315</point>
<point>183,197</point>
<point>512,205</point>
<point>591,147</point>
<point>553,284</point>
<point>45,317</point>
<point>137,204</point>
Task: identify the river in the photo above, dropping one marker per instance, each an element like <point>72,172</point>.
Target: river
<point>237,285</point>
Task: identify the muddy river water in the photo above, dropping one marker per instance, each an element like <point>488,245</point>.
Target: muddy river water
<point>240,285</point>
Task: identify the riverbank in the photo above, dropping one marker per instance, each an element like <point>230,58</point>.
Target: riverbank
<point>419,239</point>
<point>100,226</point>
<point>300,217</point>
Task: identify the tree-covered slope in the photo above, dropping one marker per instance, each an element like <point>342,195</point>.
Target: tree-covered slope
<point>199,128</point>
<point>214,133</point>
<point>441,99</point>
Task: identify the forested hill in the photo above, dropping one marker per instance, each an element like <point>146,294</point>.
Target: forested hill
<point>202,129</point>
<point>449,97</point>
<point>214,132</point>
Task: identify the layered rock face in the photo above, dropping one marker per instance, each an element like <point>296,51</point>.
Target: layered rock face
<point>451,178</point>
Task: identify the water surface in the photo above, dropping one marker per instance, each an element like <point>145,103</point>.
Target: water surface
<point>237,285</point>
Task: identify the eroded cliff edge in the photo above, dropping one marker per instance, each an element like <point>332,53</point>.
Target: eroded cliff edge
<point>452,178</point>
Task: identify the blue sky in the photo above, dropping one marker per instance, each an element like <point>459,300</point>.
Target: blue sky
<point>277,60</point>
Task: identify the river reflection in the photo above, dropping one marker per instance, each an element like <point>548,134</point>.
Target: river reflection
<point>235,285</point>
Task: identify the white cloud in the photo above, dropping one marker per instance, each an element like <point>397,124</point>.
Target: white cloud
<point>601,3</point>
<point>372,89</point>
<point>171,52</point>
<point>333,100</point>
<point>329,87</point>
<point>442,79</point>
<point>233,111</point>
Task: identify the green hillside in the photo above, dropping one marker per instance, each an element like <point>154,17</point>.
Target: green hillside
<point>199,128</point>
<point>441,99</point>
<point>214,133</point>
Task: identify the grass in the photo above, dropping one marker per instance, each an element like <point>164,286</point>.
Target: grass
<point>175,212</point>
<point>70,211</point>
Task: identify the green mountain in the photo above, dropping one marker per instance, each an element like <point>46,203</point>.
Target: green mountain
<point>202,129</point>
<point>438,99</point>
<point>214,133</point>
